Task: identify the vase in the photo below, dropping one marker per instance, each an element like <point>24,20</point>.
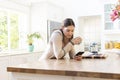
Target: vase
<point>31,48</point>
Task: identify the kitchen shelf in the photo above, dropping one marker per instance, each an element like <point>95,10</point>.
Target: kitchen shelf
<point>111,32</point>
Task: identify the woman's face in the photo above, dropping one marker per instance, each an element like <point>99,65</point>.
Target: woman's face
<point>68,31</point>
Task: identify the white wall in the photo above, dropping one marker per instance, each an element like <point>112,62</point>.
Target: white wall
<point>55,12</point>
<point>59,10</point>
<point>40,13</point>
<point>81,7</point>
<point>38,22</point>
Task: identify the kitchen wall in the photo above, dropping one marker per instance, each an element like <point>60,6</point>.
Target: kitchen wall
<point>39,12</point>
<point>42,12</point>
<point>46,10</point>
<point>7,4</point>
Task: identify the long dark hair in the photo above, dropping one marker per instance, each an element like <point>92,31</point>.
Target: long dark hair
<point>67,22</point>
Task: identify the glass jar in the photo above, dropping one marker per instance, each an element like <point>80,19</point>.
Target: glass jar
<point>94,48</point>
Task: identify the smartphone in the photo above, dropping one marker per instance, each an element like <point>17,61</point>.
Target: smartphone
<point>79,53</point>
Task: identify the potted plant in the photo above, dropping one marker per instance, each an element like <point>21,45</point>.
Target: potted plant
<point>30,38</point>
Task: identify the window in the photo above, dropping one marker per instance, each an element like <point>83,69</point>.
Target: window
<point>10,30</point>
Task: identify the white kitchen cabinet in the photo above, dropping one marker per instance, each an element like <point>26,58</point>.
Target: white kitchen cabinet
<point>23,76</point>
<point>4,62</point>
<point>90,78</point>
<point>108,24</point>
<point>111,29</point>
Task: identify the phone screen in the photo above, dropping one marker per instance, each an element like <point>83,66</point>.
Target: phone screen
<point>80,53</point>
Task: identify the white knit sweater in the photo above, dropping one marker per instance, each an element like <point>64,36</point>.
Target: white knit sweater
<point>55,49</point>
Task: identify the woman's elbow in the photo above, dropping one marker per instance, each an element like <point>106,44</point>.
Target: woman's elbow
<point>59,57</point>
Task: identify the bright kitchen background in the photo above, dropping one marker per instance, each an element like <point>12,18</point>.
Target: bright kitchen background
<point>32,16</point>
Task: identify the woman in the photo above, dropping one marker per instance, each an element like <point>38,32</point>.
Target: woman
<point>62,42</point>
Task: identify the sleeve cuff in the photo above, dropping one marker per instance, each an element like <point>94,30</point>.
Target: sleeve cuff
<point>71,42</point>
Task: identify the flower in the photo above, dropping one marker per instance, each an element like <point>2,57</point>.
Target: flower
<point>116,12</point>
<point>114,15</point>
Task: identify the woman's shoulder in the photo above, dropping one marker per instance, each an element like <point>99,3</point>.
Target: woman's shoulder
<point>57,32</point>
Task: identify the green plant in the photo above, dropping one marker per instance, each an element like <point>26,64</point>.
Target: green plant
<point>31,36</point>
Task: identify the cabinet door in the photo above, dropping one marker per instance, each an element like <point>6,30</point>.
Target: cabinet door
<point>107,20</point>
<point>3,68</point>
<point>26,76</point>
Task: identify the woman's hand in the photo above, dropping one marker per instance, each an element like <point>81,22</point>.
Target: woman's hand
<point>76,40</point>
<point>78,58</point>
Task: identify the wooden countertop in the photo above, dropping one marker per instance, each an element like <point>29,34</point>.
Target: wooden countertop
<point>108,68</point>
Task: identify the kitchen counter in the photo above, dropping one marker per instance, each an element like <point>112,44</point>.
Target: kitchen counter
<point>18,52</point>
<point>108,68</point>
